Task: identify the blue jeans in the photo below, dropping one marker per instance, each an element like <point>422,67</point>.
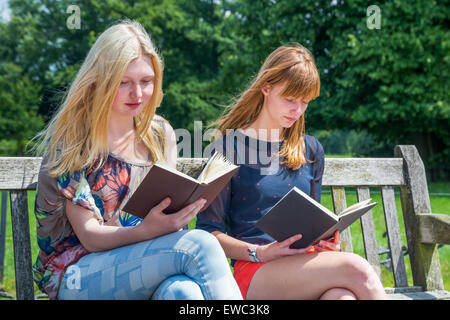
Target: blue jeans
<point>188,264</point>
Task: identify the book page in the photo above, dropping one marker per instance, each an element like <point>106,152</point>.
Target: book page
<point>317,204</point>
<point>216,166</point>
<point>356,206</point>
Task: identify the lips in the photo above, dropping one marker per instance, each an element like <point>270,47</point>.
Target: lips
<point>134,104</point>
<point>291,119</point>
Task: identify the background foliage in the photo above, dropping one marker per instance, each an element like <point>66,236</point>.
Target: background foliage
<point>380,87</point>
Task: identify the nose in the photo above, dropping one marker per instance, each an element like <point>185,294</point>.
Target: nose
<point>136,91</point>
<point>299,109</point>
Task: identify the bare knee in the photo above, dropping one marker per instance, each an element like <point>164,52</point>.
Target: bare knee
<point>364,279</point>
<point>338,294</point>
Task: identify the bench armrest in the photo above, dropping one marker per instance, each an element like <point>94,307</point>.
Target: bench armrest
<point>434,228</point>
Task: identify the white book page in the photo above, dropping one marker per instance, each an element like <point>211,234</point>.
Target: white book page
<point>317,204</point>
<point>356,206</point>
<point>217,166</point>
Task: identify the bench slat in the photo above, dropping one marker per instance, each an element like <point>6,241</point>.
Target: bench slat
<point>18,173</point>
<point>393,231</point>
<point>363,172</point>
<point>339,204</point>
<point>22,245</point>
<point>434,228</point>
<point>368,232</point>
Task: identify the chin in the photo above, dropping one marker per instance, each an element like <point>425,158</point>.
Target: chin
<point>287,125</point>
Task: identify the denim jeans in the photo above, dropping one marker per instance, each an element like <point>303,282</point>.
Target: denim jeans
<point>188,264</point>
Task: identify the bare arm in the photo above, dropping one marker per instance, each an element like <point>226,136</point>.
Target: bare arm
<point>237,249</point>
<point>97,237</point>
<point>171,147</point>
<point>234,248</point>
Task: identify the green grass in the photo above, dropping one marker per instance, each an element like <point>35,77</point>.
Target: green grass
<point>439,204</point>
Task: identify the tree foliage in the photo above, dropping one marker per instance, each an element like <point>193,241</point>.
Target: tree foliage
<point>391,82</point>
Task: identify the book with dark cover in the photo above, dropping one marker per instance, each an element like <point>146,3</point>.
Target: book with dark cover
<point>298,213</point>
<point>162,181</point>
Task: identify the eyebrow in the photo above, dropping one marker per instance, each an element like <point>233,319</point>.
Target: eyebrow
<point>149,76</point>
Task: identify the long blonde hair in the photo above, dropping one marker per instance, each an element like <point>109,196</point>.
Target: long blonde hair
<point>294,67</point>
<point>76,137</point>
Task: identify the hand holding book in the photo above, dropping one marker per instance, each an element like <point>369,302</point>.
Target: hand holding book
<point>156,223</point>
<point>162,181</point>
<point>331,244</point>
<point>298,213</point>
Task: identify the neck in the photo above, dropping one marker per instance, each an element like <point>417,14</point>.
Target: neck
<point>120,130</point>
<point>264,128</point>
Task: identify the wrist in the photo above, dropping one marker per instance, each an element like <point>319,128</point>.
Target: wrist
<point>252,253</point>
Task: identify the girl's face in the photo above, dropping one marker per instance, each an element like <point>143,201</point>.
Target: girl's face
<point>282,111</point>
<point>135,89</point>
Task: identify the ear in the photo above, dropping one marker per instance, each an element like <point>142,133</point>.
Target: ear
<point>266,89</point>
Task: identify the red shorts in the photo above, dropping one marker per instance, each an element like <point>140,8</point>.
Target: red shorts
<point>244,272</point>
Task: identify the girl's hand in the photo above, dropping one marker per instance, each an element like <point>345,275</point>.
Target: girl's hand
<point>277,249</point>
<point>157,223</point>
<point>332,244</point>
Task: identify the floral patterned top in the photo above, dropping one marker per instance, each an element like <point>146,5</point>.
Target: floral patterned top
<point>101,191</point>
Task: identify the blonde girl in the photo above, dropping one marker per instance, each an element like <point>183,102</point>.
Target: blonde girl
<point>97,148</point>
<point>264,132</point>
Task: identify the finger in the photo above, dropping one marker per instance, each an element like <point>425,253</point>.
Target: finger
<point>287,243</point>
<point>337,237</point>
<point>192,209</point>
<point>330,246</point>
<point>298,251</point>
<point>318,248</point>
<point>193,213</point>
<point>162,205</point>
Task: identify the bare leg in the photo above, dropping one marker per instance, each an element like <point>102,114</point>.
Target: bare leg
<point>338,294</point>
<point>311,276</point>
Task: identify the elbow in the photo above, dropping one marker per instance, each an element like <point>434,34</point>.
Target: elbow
<point>88,243</point>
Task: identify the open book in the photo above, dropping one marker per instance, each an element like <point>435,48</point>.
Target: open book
<point>298,213</point>
<point>162,181</point>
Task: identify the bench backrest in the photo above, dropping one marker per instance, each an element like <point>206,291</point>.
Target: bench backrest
<point>405,171</point>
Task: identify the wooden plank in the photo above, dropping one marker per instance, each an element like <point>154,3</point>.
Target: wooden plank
<point>426,295</point>
<point>393,231</point>
<point>434,228</point>
<point>368,233</point>
<point>416,293</point>
<point>22,246</point>
<point>19,173</point>
<point>424,257</point>
<point>339,204</point>
<point>363,172</point>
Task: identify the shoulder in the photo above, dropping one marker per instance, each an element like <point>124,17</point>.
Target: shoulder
<point>161,123</point>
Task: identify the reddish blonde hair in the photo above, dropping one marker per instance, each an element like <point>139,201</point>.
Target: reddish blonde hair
<point>292,66</point>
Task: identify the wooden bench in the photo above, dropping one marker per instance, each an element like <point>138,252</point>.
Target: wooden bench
<point>424,230</point>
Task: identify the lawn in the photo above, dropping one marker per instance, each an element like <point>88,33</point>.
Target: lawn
<point>440,203</point>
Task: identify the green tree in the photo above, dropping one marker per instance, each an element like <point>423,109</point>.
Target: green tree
<point>19,102</point>
<point>392,82</point>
